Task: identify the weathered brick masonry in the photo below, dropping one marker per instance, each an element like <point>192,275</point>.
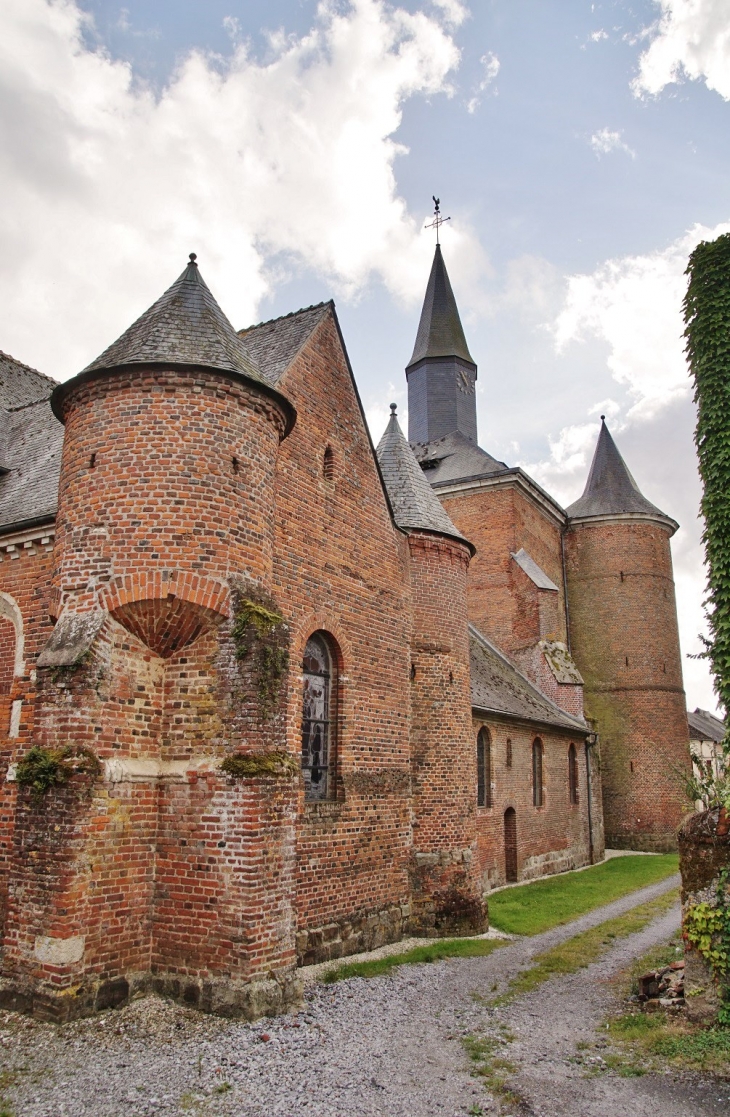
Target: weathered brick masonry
<point>220,512</point>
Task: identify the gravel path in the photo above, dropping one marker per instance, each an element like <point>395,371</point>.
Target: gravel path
<point>388,1046</point>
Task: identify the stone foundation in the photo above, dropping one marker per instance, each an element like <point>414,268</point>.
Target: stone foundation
<point>354,935</point>
<point>556,861</point>
<point>245,1000</point>
<point>704,852</point>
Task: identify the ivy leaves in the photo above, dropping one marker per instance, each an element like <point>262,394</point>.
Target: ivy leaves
<point>707,334</point>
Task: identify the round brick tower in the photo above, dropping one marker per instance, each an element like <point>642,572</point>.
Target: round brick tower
<point>446,892</point>
<point>624,638</point>
<point>167,471</point>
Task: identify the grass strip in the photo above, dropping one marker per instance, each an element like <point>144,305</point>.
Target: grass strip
<point>645,1042</point>
<point>531,909</point>
<point>585,948</point>
<point>432,952</point>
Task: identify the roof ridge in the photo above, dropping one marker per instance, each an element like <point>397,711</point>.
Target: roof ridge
<point>28,368</point>
<point>280,318</point>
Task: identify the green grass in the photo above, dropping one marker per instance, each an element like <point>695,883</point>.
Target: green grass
<point>491,1067</point>
<point>581,950</point>
<point>433,952</point>
<point>530,909</point>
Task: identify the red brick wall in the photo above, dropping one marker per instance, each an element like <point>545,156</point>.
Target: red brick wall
<point>626,644</point>
<point>341,566</point>
<point>550,838</point>
<point>504,603</point>
<point>26,579</point>
<point>447,892</point>
<point>151,501</point>
<point>7,656</point>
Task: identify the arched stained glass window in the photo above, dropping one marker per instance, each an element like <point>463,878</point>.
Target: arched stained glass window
<point>537,790</point>
<point>484,769</point>
<point>573,774</point>
<point>318,745</point>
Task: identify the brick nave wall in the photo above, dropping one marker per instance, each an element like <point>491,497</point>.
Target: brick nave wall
<point>553,837</point>
<point>25,580</point>
<point>341,566</point>
<point>503,602</point>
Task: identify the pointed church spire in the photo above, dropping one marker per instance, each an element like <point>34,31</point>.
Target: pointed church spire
<point>441,373</point>
<point>414,503</point>
<point>184,327</point>
<point>440,332</point>
<point>610,489</point>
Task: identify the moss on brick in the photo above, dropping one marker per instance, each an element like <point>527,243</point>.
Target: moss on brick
<point>260,765</point>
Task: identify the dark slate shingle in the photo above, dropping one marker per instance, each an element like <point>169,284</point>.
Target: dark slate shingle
<point>29,491</point>
<point>454,458</point>
<point>273,345</point>
<point>610,489</point>
<point>440,332</point>
<point>20,385</point>
<point>184,327</point>
<point>498,687</point>
<point>414,503</point>
<point>704,726</point>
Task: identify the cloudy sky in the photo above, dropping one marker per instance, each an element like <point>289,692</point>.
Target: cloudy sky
<point>579,148</point>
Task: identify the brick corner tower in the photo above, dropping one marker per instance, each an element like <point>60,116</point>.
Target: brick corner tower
<point>446,894</point>
<point>158,870</point>
<point>625,640</point>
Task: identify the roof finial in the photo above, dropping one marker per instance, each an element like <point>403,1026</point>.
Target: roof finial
<point>438,220</point>
<point>393,408</point>
<point>603,418</point>
<point>193,258</point>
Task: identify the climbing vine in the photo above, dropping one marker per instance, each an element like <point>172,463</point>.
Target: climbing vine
<point>707,927</point>
<point>707,334</point>
<point>42,769</point>
<point>260,635</point>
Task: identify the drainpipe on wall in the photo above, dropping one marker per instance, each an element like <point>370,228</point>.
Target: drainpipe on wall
<point>565,591</point>
<point>591,740</point>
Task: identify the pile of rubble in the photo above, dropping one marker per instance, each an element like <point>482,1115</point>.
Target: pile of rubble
<point>662,989</point>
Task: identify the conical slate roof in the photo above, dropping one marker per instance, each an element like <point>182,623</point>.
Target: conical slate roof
<point>414,503</point>
<point>184,327</point>
<point>440,333</point>
<point>610,489</point>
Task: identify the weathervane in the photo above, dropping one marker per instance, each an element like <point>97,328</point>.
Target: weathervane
<point>438,220</point>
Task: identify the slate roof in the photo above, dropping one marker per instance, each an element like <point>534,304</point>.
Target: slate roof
<point>273,345</point>
<point>455,457</point>
<point>185,326</point>
<point>29,490</point>
<point>704,726</point>
<point>534,572</point>
<point>20,384</point>
<point>497,687</point>
<point>610,489</point>
<point>414,503</point>
<point>440,333</point>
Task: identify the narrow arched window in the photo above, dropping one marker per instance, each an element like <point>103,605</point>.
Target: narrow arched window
<point>318,739</point>
<point>573,774</point>
<point>484,769</point>
<point>328,465</point>
<point>537,789</point>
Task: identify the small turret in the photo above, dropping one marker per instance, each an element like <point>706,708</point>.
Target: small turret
<point>441,373</point>
<point>446,889</point>
<point>625,640</point>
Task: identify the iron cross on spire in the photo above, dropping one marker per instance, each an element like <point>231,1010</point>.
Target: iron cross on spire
<point>438,220</point>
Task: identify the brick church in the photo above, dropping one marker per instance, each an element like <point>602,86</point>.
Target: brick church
<point>269,695</point>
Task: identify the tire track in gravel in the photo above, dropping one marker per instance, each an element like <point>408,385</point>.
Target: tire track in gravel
<point>383,1047</point>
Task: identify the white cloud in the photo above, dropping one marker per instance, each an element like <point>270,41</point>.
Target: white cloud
<point>490,69</point>
<point>634,304</point>
<point>256,166</point>
<point>596,36</point>
<point>604,141</point>
<point>454,11</point>
<point>692,39</point>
